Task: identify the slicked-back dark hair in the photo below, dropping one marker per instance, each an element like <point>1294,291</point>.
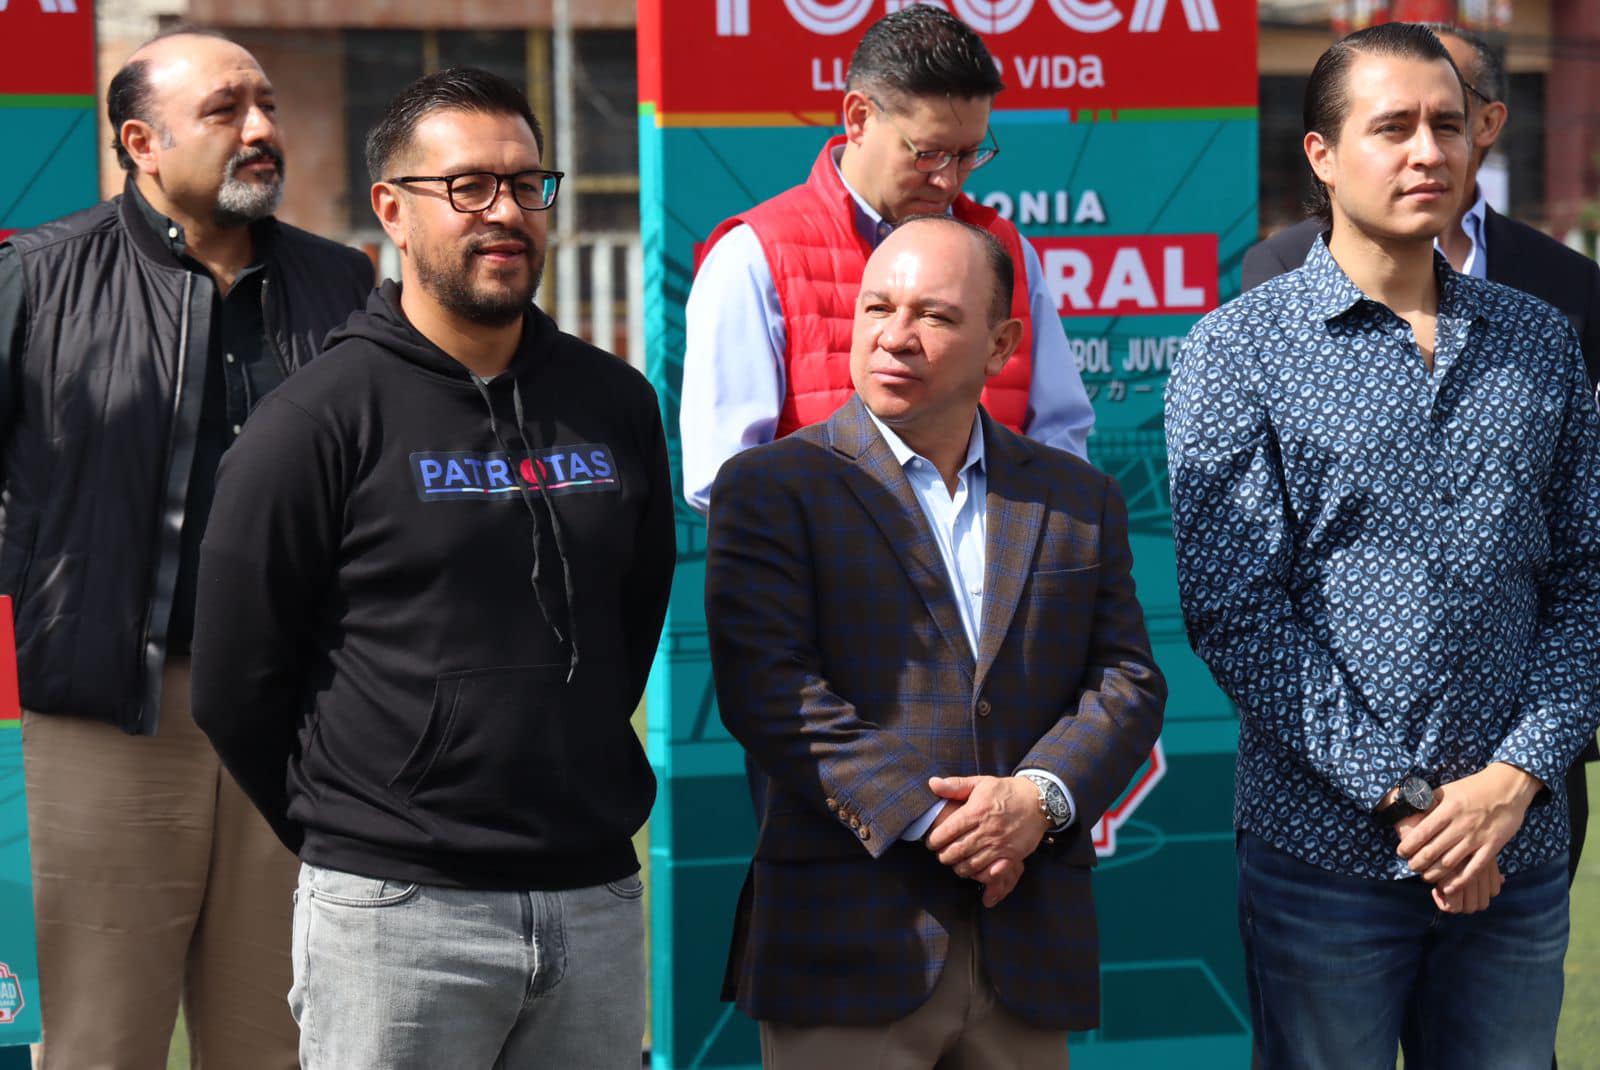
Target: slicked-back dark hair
<point>1000,263</point>
<point>1327,102</point>
<point>130,96</point>
<point>921,51</point>
<point>467,89</point>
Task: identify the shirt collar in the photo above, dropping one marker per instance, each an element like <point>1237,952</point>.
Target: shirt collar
<point>1333,294</point>
<point>175,241</point>
<point>1475,214</point>
<point>1472,224</point>
<point>170,231</point>
<point>869,224</point>
<point>872,227</point>
<point>904,454</point>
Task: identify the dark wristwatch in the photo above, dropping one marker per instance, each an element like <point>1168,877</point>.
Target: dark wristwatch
<point>1053,802</point>
<point>1416,796</point>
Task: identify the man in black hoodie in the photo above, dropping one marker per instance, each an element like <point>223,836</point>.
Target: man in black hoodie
<point>430,594</point>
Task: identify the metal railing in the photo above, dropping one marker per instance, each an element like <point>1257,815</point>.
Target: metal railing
<point>587,297</point>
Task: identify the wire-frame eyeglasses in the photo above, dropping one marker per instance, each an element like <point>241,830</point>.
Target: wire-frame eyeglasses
<point>930,160</point>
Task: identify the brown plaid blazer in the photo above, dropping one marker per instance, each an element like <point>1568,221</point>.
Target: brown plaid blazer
<point>842,667</point>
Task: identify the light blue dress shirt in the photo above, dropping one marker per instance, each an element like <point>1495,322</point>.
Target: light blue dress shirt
<point>1477,262</point>
<point>734,341</point>
<point>958,524</point>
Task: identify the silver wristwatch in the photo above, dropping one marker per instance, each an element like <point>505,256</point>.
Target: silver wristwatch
<point>1053,802</point>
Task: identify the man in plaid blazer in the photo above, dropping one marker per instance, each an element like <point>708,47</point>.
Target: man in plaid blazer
<point>924,631</point>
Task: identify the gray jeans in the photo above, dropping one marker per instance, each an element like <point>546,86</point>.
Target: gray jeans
<point>390,975</point>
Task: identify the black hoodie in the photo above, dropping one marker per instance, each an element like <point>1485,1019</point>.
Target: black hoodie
<point>416,648</point>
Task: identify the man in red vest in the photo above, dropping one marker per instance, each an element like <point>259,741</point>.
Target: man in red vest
<point>768,319</point>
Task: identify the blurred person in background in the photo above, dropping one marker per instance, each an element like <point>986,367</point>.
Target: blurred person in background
<point>1484,244</point>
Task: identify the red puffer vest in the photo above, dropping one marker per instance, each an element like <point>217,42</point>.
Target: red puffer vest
<point>817,260</point>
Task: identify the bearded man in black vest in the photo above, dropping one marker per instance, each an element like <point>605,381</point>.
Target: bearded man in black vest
<point>135,338</point>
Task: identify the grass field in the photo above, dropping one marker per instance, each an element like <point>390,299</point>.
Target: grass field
<point>1578,1043</point>
<point>1579,1040</point>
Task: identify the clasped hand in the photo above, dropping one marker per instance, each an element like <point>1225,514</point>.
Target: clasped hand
<point>987,827</point>
<point>1454,845</point>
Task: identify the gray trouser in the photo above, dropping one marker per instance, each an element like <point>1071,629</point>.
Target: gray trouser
<point>390,975</point>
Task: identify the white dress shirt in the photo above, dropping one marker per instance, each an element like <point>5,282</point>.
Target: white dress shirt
<point>734,381</point>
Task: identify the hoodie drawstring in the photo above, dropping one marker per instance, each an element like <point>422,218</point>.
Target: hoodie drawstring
<point>555,527</point>
<point>555,523</point>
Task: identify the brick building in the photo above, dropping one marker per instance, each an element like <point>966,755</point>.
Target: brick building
<point>337,63</point>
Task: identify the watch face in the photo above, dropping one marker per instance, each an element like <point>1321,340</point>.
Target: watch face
<point>1417,793</point>
<point>1056,802</point>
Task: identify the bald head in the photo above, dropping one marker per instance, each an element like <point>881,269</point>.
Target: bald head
<point>992,258</point>
<point>152,68</point>
<point>931,328</point>
<point>195,120</point>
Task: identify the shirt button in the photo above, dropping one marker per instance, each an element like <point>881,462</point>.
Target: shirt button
<point>983,707</point>
<point>833,804</point>
<point>237,429</point>
<point>866,834</point>
<point>229,358</point>
<point>974,591</point>
<point>172,232</point>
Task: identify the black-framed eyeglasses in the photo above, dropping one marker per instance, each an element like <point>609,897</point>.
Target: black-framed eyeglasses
<point>1475,91</point>
<point>472,192</point>
<point>929,161</point>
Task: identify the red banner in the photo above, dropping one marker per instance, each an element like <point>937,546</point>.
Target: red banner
<point>1131,274</point>
<point>10,703</point>
<point>47,47</point>
<point>725,57</point>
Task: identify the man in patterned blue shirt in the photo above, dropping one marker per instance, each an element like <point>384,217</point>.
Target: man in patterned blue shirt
<point>1386,502</point>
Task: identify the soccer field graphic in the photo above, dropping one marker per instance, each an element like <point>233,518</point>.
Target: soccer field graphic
<point>1140,198</point>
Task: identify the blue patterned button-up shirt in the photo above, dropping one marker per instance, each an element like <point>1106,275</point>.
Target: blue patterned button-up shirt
<point>1389,571</point>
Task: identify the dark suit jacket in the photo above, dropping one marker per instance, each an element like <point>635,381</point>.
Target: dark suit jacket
<point>1284,251</point>
<point>842,667</point>
<point>1517,256</point>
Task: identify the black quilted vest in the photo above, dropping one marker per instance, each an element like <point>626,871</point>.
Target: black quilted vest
<point>96,469</point>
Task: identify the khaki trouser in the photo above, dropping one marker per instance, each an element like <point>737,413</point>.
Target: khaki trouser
<point>960,1027</point>
<point>155,881</point>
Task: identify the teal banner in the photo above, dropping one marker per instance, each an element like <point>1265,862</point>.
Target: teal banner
<point>19,960</point>
<point>1141,216</point>
<point>49,169</point>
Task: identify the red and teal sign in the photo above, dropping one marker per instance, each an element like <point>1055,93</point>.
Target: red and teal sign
<point>47,111</point>
<point>1128,157</point>
<point>48,169</point>
<point>19,967</point>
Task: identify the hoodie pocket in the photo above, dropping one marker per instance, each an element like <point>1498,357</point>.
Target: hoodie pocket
<point>491,735</point>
